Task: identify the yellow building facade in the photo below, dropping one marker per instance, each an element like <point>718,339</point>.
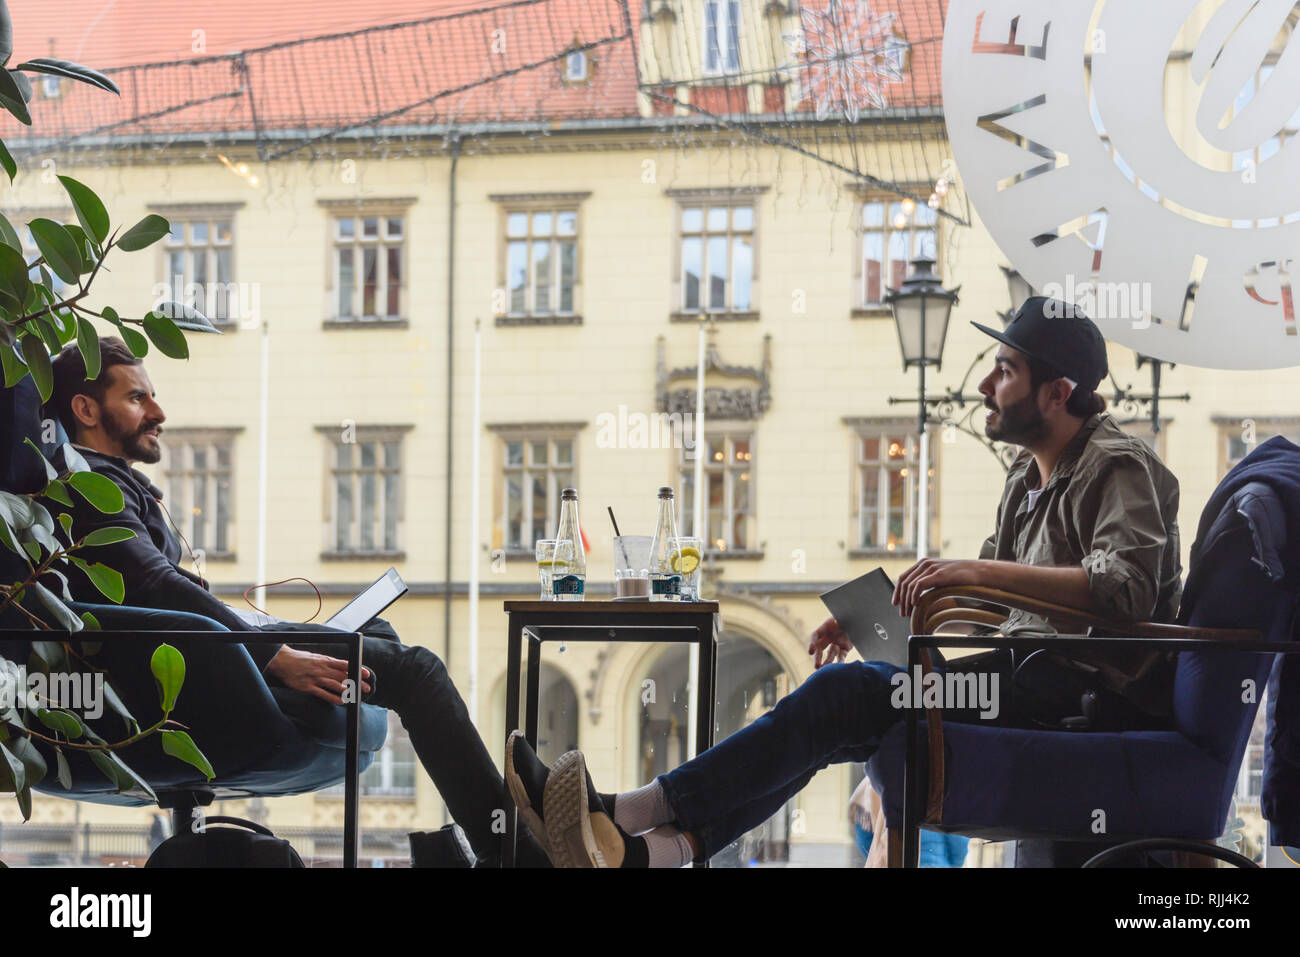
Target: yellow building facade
<point>813,465</point>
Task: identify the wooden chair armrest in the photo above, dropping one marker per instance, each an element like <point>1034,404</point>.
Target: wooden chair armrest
<point>973,616</point>
<point>930,601</point>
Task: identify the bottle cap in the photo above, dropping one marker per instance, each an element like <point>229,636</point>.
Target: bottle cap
<point>569,495</point>
<point>665,491</point>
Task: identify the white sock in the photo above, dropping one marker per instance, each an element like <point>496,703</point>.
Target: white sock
<point>638,811</point>
<point>668,847</point>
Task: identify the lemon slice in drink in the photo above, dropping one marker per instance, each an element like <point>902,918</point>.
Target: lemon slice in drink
<point>685,561</point>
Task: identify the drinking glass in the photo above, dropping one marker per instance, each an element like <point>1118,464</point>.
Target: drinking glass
<point>632,566</point>
<point>546,566</point>
<point>685,558</point>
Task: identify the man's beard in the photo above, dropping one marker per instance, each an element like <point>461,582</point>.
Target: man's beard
<point>133,442</point>
<point>1019,423</point>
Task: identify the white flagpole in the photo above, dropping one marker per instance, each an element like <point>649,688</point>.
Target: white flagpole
<point>263,469</point>
<point>474,523</point>
<point>700,531</point>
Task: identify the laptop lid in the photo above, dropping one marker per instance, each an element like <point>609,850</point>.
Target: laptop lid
<point>385,590</point>
<point>865,610</point>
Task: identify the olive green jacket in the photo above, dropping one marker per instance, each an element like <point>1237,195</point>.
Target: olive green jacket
<point>1110,506</point>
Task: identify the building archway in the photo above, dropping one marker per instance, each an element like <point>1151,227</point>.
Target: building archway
<point>751,681</point>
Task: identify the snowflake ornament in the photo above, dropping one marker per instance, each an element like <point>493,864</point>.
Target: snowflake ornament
<point>844,56</point>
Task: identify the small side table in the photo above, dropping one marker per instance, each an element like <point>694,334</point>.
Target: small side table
<point>695,622</point>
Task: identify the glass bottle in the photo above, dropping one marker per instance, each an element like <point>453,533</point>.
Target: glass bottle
<point>570,571</point>
<point>665,580</point>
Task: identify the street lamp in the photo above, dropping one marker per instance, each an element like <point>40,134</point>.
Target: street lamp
<point>921,310</point>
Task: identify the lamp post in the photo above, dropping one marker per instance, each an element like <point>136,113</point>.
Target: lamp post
<point>922,308</point>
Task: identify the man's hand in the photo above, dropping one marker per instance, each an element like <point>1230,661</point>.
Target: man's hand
<point>931,573</point>
<point>319,675</point>
<point>829,640</point>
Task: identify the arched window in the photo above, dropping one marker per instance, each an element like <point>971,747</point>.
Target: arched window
<point>750,682</point>
<point>557,715</point>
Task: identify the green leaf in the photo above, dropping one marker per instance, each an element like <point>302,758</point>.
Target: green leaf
<point>15,369</point>
<point>73,71</point>
<point>144,233</point>
<point>11,98</point>
<point>109,313</point>
<point>85,247</point>
<point>88,343</point>
<point>13,776</point>
<point>58,247</point>
<point>89,208</point>
<point>187,317</point>
<point>33,764</point>
<point>7,161</point>
<point>64,615</point>
<point>164,334</point>
<point>168,666</point>
<point>9,235</point>
<point>107,580</point>
<point>92,623</point>
<point>14,280</point>
<point>32,549</point>
<point>50,474</point>
<point>38,363</point>
<point>6,34</point>
<point>99,490</point>
<point>136,342</point>
<point>108,535</point>
<point>118,705</point>
<point>59,492</point>
<point>24,85</point>
<point>63,584</point>
<point>47,330</point>
<point>180,745</point>
<point>60,721</point>
<point>64,772</point>
<point>47,656</point>
<point>72,459</point>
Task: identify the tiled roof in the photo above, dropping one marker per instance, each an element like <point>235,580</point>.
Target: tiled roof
<point>310,67</point>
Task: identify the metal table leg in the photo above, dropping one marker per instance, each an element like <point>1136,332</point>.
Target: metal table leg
<point>514,652</point>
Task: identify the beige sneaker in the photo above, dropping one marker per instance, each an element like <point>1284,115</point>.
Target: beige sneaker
<point>579,832</point>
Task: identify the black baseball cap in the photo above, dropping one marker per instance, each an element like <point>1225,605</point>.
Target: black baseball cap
<point>1059,334</point>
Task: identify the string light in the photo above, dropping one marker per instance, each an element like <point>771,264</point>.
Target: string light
<point>240,170</point>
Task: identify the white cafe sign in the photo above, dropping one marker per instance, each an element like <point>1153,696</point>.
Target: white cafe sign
<point>1139,157</point>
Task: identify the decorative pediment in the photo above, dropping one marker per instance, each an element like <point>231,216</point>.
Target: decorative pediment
<point>675,388</point>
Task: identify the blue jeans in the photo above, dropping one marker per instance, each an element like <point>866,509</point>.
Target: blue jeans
<point>839,714</point>
<point>410,680</point>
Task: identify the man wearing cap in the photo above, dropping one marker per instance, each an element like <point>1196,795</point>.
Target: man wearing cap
<point>1087,519</point>
<point>1088,516</point>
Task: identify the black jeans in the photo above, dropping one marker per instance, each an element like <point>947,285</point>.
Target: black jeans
<point>413,682</point>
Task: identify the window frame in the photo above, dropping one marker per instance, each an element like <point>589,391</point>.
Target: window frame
<point>730,433</point>
<point>861,306</point>
<point>187,438</point>
<point>529,204</point>
<point>882,429</point>
<point>528,435</point>
<point>380,435</point>
<point>705,199</point>
<point>1266,426</point>
<point>729,11</point>
<point>209,214</point>
<point>358,211</point>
